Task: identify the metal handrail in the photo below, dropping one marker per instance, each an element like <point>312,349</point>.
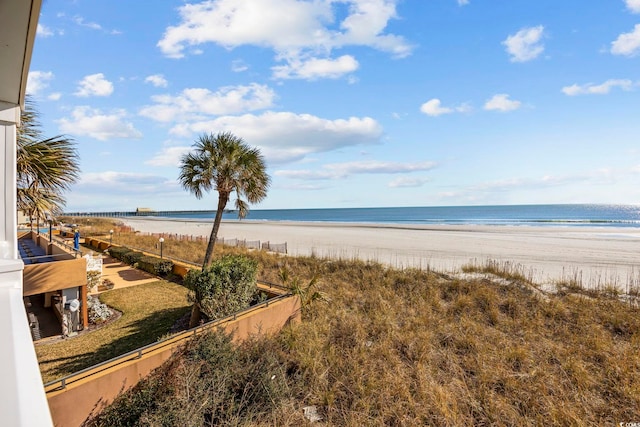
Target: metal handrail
<point>63,242</point>
<point>60,241</point>
<point>138,353</point>
<point>274,285</point>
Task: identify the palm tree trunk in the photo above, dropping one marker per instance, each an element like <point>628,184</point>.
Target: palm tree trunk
<point>223,198</point>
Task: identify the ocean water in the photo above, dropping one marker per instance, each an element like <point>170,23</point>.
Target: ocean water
<point>541,215</point>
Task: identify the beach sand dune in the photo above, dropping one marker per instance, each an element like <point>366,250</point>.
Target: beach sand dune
<point>596,255</point>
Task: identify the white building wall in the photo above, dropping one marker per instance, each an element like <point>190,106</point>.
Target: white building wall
<point>22,398</point>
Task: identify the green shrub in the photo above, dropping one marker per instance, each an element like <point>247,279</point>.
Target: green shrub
<point>157,266</point>
<point>118,252</point>
<point>132,257</point>
<point>225,287</point>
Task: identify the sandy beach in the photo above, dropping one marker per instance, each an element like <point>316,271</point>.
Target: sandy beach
<point>597,255</point>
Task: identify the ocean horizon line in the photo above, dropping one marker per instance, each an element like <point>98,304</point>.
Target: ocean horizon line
<point>541,215</point>
<point>151,210</point>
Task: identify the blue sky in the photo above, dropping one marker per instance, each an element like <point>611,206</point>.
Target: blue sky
<point>354,103</point>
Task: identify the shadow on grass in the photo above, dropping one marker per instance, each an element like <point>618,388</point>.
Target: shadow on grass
<point>139,333</point>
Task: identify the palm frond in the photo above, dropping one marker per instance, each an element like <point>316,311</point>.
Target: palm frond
<point>225,163</point>
<point>45,168</point>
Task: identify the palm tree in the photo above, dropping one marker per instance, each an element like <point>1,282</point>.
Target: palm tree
<point>226,164</point>
<point>45,167</point>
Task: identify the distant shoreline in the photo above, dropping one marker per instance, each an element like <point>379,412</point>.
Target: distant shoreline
<point>574,215</point>
<point>595,254</point>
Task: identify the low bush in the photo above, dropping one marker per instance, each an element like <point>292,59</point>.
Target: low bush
<point>225,287</point>
<point>157,266</point>
<point>118,252</point>
<point>132,257</point>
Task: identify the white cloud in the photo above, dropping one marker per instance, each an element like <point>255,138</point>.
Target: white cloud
<point>43,31</point>
<point>601,89</point>
<point>157,80</point>
<point>238,66</point>
<point>303,187</point>
<point>343,170</point>
<point>306,30</point>
<point>94,85</point>
<point>434,108</point>
<point>86,121</point>
<point>126,182</point>
<point>501,102</point>
<point>285,137</point>
<point>55,96</point>
<point>408,182</point>
<point>525,45</point>
<point>463,2</point>
<point>633,5</point>
<point>196,102</point>
<point>479,192</point>
<point>168,156</point>
<point>627,44</point>
<point>314,68</point>
<point>37,81</point>
<point>80,21</point>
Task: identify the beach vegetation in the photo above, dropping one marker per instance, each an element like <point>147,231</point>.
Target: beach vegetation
<point>226,164</point>
<point>225,287</point>
<point>408,347</point>
<point>46,166</point>
<point>505,269</point>
<point>306,290</point>
<point>228,385</point>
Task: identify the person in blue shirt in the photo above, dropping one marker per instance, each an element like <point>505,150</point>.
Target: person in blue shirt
<point>76,240</point>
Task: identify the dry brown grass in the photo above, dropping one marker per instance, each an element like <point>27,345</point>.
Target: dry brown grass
<point>410,347</point>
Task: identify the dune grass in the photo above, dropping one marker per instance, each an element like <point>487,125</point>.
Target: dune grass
<point>408,347</point>
<point>148,311</point>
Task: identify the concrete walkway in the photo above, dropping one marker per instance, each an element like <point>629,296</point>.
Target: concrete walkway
<point>123,275</point>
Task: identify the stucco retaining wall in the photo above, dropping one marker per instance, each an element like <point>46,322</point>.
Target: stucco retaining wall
<point>88,392</point>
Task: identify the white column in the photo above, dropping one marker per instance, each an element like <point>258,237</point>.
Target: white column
<point>9,119</point>
<point>22,398</point>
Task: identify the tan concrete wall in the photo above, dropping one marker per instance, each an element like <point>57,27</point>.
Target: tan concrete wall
<point>100,245</point>
<point>43,242</point>
<point>60,253</point>
<point>89,393</point>
<point>180,269</point>
<point>52,276</point>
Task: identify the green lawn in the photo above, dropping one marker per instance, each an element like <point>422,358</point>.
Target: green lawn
<point>148,311</point>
